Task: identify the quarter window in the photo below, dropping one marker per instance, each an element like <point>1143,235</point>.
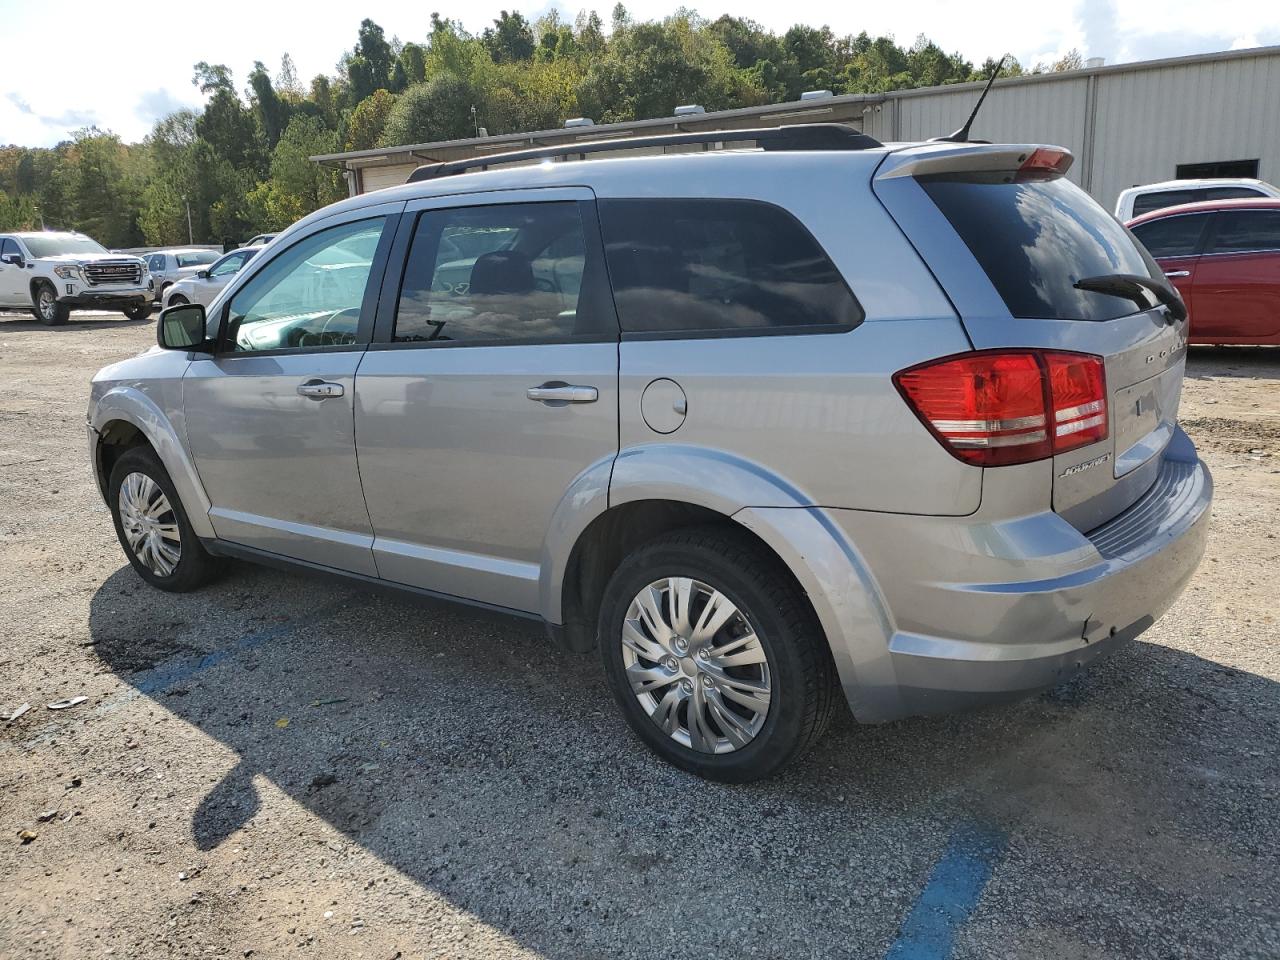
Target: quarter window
<point>707,266</point>
<point>311,295</point>
<point>1172,236</point>
<point>1242,231</point>
<point>503,273</point>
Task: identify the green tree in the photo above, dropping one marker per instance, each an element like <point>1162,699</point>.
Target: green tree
<point>509,40</point>
<point>439,109</point>
<point>297,186</point>
<point>364,129</point>
<point>226,124</point>
<point>272,112</point>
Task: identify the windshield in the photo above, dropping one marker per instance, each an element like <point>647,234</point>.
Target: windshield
<point>55,245</point>
<point>195,258</point>
<point>1035,239</point>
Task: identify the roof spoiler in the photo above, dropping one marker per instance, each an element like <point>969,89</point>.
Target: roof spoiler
<point>1020,161</point>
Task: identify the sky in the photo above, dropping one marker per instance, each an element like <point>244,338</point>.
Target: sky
<point>80,64</point>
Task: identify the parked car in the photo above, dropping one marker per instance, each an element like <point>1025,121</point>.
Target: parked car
<point>1224,258</point>
<point>169,266</point>
<point>261,240</point>
<point>1137,201</point>
<point>207,282</point>
<point>761,425</point>
<point>51,273</point>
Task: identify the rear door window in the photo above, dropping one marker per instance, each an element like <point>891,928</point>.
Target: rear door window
<point>719,266</point>
<point>1247,231</point>
<point>1173,236</point>
<point>1035,239</point>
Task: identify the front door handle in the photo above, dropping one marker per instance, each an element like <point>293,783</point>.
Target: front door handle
<point>559,393</point>
<point>1177,273</point>
<point>320,390</point>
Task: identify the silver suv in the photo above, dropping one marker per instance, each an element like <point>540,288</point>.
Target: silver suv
<point>762,423</point>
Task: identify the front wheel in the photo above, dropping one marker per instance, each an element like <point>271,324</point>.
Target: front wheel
<point>152,526</point>
<point>138,311</point>
<point>177,300</point>
<point>714,655</point>
<point>47,308</point>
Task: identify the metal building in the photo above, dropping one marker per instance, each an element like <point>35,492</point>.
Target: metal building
<point>1209,115</point>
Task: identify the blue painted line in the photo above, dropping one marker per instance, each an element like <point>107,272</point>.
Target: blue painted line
<point>167,675</point>
<point>951,895</point>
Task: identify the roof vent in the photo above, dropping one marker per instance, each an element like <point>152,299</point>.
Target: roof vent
<point>1094,62</point>
<point>580,122</point>
<point>816,95</point>
<point>690,108</point>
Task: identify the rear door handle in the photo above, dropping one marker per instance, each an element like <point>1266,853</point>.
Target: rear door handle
<point>559,393</point>
<point>1177,273</point>
<point>319,390</point>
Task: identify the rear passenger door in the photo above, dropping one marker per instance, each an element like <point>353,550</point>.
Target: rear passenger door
<point>491,385</point>
<point>1237,288</point>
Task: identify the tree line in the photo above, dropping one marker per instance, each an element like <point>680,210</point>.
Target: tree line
<point>240,165</point>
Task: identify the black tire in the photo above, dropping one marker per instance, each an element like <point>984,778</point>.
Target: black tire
<point>195,566</point>
<point>801,671</point>
<point>45,305</point>
<point>140,310</point>
<point>176,299</point>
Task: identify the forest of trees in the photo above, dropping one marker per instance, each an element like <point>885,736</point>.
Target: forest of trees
<point>240,165</point>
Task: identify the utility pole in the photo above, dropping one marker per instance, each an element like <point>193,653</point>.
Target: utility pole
<point>190,236</point>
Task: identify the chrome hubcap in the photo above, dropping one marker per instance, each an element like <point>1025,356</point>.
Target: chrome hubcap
<point>696,666</point>
<point>150,525</point>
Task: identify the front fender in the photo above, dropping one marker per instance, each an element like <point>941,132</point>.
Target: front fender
<point>128,403</point>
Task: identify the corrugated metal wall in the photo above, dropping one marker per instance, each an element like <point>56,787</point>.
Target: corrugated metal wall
<point>1125,127</point>
<point>1150,121</point>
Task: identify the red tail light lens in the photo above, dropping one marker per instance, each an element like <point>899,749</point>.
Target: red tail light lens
<point>999,407</point>
<point>1045,163</point>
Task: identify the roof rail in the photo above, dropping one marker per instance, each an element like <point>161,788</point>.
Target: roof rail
<point>800,136</point>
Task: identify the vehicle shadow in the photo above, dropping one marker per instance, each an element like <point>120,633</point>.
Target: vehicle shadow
<point>465,752</point>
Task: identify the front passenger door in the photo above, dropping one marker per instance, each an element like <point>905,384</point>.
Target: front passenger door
<point>269,417</point>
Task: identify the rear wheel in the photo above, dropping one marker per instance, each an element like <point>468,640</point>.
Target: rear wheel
<point>47,308</point>
<point>714,655</point>
<point>152,526</point>
<point>138,311</point>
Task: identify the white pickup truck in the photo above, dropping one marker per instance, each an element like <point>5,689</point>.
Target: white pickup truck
<point>50,273</point>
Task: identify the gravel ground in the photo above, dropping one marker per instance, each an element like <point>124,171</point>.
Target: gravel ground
<point>279,766</point>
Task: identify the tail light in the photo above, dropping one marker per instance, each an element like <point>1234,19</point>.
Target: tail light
<point>997,407</point>
<point>1044,163</point>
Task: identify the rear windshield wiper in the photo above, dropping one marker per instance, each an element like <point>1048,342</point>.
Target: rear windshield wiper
<point>1144,291</point>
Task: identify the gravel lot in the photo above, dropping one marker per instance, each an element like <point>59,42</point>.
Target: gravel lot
<point>278,766</point>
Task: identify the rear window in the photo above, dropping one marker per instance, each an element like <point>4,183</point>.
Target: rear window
<point>1035,239</point>
<point>1159,199</point>
<point>702,266</point>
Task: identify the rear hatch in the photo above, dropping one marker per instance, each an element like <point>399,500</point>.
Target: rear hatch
<point>1008,237</point>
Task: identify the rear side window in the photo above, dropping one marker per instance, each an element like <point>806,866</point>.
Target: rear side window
<point>719,266</point>
<point>1242,231</point>
<point>1172,236</point>
<point>1035,239</point>
<point>1159,199</point>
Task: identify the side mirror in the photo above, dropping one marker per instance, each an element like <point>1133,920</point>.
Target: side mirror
<point>182,328</point>
<point>202,274</point>
<point>13,259</point>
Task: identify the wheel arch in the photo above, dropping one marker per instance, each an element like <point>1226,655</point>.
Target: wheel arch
<point>125,417</point>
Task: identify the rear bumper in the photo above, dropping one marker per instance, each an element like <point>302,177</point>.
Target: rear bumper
<point>989,610</point>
